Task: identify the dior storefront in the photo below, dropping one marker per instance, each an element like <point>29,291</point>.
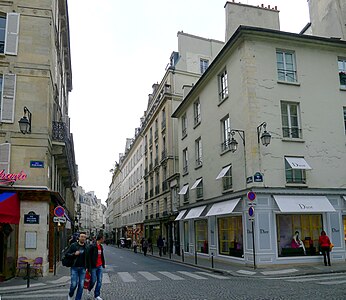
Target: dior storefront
<point>224,229</point>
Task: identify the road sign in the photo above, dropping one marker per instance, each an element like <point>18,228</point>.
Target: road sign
<point>251,211</point>
<point>59,219</point>
<point>251,195</point>
<point>59,211</point>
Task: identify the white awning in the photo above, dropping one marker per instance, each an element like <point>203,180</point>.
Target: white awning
<point>303,204</point>
<point>223,208</point>
<point>344,198</point>
<point>184,189</point>
<point>195,212</point>
<point>196,183</point>
<point>223,172</point>
<point>180,216</point>
<point>298,163</point>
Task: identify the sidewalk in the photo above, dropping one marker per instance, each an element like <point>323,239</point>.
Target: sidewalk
<point>62,278</point>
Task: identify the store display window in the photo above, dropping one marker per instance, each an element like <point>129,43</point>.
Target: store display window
<point>201,230</point>
<point>297,235</point>
<point>230,231</point>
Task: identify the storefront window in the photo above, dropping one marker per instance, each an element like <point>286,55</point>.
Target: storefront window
<point>230,230</point>
<point>201,230</point>
<point>305,229</point>
<point>186,236</point>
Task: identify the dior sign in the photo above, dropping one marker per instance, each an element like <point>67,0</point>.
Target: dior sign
<point>304,206</point>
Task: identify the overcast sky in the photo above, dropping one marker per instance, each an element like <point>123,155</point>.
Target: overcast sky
<point>119,49</point>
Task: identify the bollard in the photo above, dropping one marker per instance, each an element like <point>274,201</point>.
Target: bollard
<point>182,255</point>
<point>195,257</point>
<point>212,260</point>
<point>152,250</point>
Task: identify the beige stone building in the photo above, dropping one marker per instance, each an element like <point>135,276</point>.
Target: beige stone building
<point>35,81</point>
<point>262,146</point>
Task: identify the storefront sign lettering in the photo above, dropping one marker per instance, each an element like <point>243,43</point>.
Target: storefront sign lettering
<point>335,230</point>
<point>303,206</point>
<point>264,231</point>
<point>10,178</point>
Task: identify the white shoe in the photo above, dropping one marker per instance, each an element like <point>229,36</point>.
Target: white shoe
<point>89,294</point>
<point>98,298</point>
<point>68,297</point>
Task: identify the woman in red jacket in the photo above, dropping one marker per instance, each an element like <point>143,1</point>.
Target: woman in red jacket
<point>324,242</point>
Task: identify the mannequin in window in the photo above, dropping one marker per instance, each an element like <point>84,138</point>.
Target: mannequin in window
<point>297,242</point>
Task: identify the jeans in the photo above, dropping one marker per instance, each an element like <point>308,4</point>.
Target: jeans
<point>96,276</point>
<point>325,252</point>
<point>77,278</point>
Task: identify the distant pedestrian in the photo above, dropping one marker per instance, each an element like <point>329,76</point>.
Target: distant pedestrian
<point>160,244</point>
<point>325,243</point>
<point>145,246</point>
<point>78,270</point>
<point>164,246</point>
<point>134,246</point>
<point>96,264</point>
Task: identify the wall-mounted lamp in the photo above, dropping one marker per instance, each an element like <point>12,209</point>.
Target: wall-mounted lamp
<point>233,144</point>
<point>25,121</point>
<point>266,136</point>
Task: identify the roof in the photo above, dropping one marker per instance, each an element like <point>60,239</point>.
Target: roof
<point>257,31</point>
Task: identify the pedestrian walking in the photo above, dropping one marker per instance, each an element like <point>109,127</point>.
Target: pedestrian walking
<point>145,247</point>
<point>325,243</point>
<point>96,264</point>
<point>160,244</point>
<point>77,250</point>
<point>134,246</point>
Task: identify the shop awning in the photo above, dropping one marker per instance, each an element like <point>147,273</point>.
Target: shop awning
<point>303,204</point>
<point>223,172</point>
<point>223,208</point>
<point>298,163</point>
<point>344,198</point>
<point>180,216</point>
<point>184,190</point>
<point>195,212</point>
<point>196,183</point>
<point>9,208</point>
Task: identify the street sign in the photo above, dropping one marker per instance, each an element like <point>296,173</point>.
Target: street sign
<point>258,177</point>
<point>59,211</point>
<point>251,211</point>
<point>59,219</point>
<point>251,195</point>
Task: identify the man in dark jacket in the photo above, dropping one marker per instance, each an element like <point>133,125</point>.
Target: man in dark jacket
<point>96,264</point>
<point>78,252</point>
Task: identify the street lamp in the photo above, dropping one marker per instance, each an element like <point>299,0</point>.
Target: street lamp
<point>25,122</point>
<point>233,144</point>
<point>265,137</point>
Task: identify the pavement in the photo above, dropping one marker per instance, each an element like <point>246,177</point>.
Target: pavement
<point>214,265</point>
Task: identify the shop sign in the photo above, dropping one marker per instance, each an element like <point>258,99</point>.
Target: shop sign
<point>31,218</point>
<point>258,177</point>
<point>36,164</point>
<point>11,178</point>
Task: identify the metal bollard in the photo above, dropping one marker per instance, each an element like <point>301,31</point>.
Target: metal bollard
<point>212,260</point>
<point>182,255</point>
<point>195,257</point>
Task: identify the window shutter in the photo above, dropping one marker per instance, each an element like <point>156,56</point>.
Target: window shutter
<point>5,150</point>
<point>12,33</point>
<point>8,98</point>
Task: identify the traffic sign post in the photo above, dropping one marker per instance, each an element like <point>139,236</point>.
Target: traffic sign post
<point>59,211</point>
<point>59,219</point>
<point>252,196</point>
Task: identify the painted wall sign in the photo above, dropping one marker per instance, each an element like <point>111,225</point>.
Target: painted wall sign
<point>31,218</point>
<point>10,178</point>
<point>36,164</point>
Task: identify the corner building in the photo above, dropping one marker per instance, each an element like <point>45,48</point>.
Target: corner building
<point>264,82</point>
<point>35,79</point>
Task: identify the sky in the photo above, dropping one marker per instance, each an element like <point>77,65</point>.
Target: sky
<point>118,50</point>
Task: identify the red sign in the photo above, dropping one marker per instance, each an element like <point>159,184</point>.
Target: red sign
<point>59,211</point>
<point>251,195</point>
<point>11,178</point>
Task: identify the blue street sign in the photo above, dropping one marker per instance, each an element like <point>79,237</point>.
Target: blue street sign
<point>251,211</point>
<point>36,164</point>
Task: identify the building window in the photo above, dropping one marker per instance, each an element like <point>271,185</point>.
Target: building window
<point>204,64</point>
<point>163,122</point>
<point>198,147</point>
<point>345,119</point>
<point>186,196</point>
<point>197,112</point>
<point>290,120</point>
<point>308,228</point>
<point>199,190</point>
<point>227,179</point>
<point>184,125</point>
<point>230,231</point>
<point>286,66</point>
<point>225,129</point>
<point>185,161</point>
<point>201,230</point>
<point>223,85</point>
<point>342,72</point>
<point>294,175</point>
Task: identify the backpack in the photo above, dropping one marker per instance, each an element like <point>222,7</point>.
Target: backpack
<point>68,260</point>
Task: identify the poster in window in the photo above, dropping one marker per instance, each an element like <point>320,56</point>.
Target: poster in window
<point>30,239</point>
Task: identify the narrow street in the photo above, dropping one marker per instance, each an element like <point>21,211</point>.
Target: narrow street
<point>133,276</point>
